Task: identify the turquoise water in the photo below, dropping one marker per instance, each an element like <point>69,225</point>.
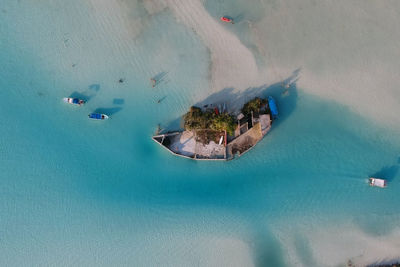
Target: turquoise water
<point>77,192</point>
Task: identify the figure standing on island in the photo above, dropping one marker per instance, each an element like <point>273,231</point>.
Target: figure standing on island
<point>153,82</point>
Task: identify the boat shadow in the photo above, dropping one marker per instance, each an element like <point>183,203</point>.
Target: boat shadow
<point>118,101</point>
<point>86,94</point>
<point>95,87</point>
<point>159,78</point>
<point>387,172</point>
<point>161,99</point>
<point>108,111</point>
<point>237,19</point>
<point>81,95</point>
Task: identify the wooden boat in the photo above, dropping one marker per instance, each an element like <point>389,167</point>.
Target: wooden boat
<point>73,101</point>
<point>98,116</point>
<point>377,182</point>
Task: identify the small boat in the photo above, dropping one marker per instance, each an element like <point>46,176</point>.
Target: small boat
<point>227,19</point>
<point>272,107</point>
<point>377,182</point>
<point>97,116</point>
<point>74,101</point>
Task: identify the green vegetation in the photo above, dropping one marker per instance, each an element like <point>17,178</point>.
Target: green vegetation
<point>222,122</point>
<point>253,105</point>
<point>196,119</point>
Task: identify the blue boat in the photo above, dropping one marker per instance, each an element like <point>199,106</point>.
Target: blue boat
<point>98,116</point>
<point>272,107</point>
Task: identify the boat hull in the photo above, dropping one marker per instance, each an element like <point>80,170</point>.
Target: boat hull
<point>377,182</point>
<point>98,116</point>
<point>226,19</point>
<point>73,101</point>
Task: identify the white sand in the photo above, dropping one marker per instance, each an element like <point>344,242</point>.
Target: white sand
<point>336,245</point>
<point>226,252</point>
<point>348,51</point>
<point>233,65</point>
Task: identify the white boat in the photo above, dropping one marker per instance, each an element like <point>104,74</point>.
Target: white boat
<point>73,101</point>
<point>377,182</point>
<point>97,116</point>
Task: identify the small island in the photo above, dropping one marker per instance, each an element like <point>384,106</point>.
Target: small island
<point>211,133</point>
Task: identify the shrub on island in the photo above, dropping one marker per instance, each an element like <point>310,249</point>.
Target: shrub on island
<point>253,105</point>
<point>196,119</point>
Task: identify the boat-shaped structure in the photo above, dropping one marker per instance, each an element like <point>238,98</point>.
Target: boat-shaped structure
<point>208,144</point>
<point>377,182</point>
<point>74,101</point>
<point>97,116</point>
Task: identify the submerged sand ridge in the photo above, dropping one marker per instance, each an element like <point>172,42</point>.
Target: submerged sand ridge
<point>339,57</point>
<point>232,63</point>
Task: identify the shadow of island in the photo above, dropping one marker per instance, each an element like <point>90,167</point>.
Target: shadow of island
<point>284,94</point>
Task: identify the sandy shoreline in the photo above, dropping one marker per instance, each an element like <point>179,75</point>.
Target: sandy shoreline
<point>232,64</point>
<point>336,245</point>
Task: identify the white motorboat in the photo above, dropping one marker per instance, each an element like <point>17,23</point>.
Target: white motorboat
<point>377,182</point>
<point>74,101</point>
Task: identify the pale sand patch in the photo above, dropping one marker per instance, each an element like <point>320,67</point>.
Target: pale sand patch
<point>195,249</point>
<point>225,252</point>
<point>372,93</point>
<point>336,245</point>
<point>154,6</point>
<point>232,64</point>
<point>348,51</point>
<point>114,18</point>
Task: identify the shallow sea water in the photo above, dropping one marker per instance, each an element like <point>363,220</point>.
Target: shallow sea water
<point>77,192</point>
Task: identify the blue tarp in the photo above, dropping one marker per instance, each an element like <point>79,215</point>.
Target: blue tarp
<point>75,101</point>
<point>272,107</point>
